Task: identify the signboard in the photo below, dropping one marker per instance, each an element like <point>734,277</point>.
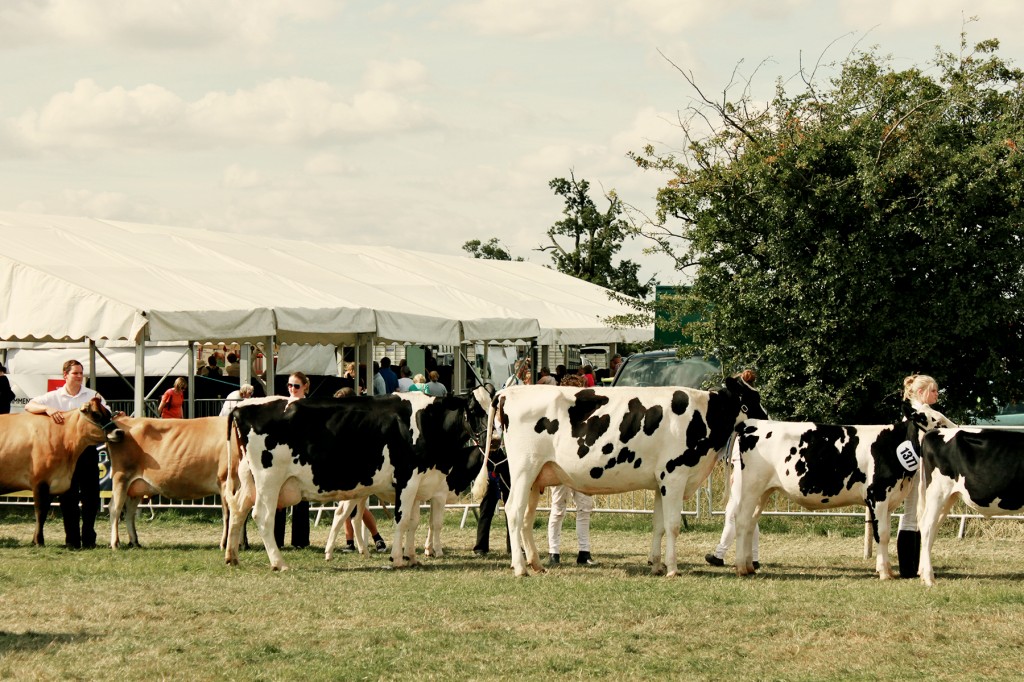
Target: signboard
<point>668,328</point>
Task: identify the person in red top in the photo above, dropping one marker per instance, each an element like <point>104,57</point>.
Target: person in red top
<point>588,375</point>
<point>171,402</point>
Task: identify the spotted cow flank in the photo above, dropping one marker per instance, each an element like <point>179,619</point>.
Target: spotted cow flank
<point>342,449</point>
<point>614,439</point>
<point>982,467</point>
<point>822,466</point>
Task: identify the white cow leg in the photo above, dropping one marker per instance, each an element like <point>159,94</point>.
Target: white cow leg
<point>238,511</point>
<point>929,521</point>
<point>515,510</point>
<point>883,565</point>
<point>745,511</point>
<point>657,533</point>
<point>409,548</point>
<point>337,523</point>
<point>432,547</point>
<point>532,555</point>
<point>264,511</point>
<point>360,533</point>
<point>672,508</point>
<point>406,512</point>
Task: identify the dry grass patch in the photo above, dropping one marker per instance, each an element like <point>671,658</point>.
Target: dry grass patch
<point>173,610</point>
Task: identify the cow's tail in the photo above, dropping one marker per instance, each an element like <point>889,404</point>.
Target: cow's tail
<point>232,464</point>
<point>480,483</point>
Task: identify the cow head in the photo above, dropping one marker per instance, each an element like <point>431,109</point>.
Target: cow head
<point>918,421</point>
<point>97,414</point>
<point>478,405</point>
<point>747,396</point>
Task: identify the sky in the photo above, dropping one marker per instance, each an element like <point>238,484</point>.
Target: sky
<point>410,124</point>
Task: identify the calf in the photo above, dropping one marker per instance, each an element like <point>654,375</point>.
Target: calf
<point>984,468</point>
<point>610,440</point>
<point>38,454</point>
<point>338,450</point>
<point>183,459</point>
<point>823,466</point>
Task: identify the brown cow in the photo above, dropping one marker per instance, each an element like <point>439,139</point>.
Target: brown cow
<point>38,454</point>
<point>183,459</point>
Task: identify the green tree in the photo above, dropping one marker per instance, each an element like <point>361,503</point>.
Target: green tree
<point>491,250</point>
<point>865,228</point>
<point>594,238</point>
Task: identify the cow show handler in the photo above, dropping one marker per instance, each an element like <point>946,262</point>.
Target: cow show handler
<point>922,391</point>
<point>85,482</point>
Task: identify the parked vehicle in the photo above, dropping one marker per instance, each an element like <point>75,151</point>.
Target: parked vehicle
<point>665,368</point>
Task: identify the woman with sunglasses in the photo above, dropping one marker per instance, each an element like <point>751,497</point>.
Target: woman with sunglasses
<point>298,387</point>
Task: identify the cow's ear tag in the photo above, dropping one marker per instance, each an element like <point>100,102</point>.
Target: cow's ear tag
<point>907,456</point>
<point>744,408</point>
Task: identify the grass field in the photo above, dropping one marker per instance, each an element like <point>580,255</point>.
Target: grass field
<point>172,610</point>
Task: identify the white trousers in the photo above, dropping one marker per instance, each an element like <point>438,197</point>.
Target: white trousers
<point>584,505</point>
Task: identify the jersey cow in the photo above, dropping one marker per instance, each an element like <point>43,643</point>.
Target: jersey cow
<point>38,454</point>
<point>822,466</point>
<point>610,440</point>
<point>984,468</point>
<point>183,459</point>
<point>341,449</point>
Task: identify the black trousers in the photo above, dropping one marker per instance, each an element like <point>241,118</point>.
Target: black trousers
<point>84,490</point>
<point>300,525</point>
<point>488,506</point>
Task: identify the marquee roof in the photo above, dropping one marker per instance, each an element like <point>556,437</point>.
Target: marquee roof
<point>69,279</point>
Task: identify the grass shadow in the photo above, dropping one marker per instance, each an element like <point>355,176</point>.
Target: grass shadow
<point>11,642</point>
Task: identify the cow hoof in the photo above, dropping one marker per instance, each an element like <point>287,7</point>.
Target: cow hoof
<point>282,568</point>
<point>658,570</point>
<point>672,574</point>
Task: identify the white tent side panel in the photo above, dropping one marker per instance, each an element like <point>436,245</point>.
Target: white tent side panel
<point>219,325</point>
<point>36,306</point>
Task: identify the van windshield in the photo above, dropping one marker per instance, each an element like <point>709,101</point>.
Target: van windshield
<point>667,371</point>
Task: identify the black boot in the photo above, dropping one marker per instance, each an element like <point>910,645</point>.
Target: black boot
<point>583,559</point>
<point>554,559</point>
<point>908,552</point>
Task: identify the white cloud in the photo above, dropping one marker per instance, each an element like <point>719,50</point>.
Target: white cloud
<point>101,204</point>
<point>327,164</point>
<point>405,74</point>
<point>281,111</point>
<point>536,18</point>
<point>544,19</point>
<point>904,14</point>
<point>236,177</point>
<point>153,24</point>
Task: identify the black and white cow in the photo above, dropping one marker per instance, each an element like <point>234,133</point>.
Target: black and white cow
<point>822,466</point>
<point>610,440</point>
<point>439,486</point>
<point>338,449</point>
<point>984,468</point>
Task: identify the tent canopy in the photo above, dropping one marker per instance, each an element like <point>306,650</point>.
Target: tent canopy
<point>69,279</point>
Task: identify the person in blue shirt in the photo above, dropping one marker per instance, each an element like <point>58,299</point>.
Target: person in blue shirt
<point>389,376</point>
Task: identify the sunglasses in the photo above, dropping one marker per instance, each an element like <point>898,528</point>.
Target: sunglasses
<point>294,385</point>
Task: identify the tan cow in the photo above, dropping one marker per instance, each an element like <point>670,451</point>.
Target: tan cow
<point>40,455</point>
<point>182,459</point>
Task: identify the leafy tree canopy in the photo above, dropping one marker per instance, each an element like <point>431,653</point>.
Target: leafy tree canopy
<point>862,229</point>
<point>491,250</point>
<point>584,243</point>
